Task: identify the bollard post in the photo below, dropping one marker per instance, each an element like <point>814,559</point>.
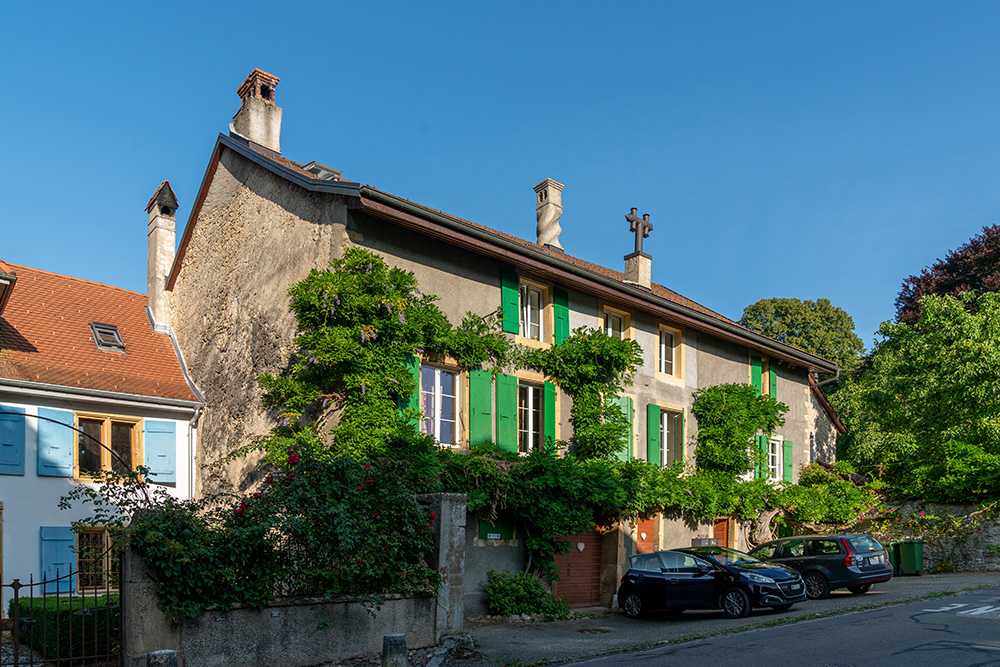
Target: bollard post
<point>161,659</point>
<point>394,650</point>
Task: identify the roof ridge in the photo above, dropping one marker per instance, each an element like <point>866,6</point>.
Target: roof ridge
<point>81,280</point>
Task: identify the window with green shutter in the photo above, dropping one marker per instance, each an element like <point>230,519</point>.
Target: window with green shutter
<point>506,411</point>
<point>480,407</point>
<point>786,460</point>
<point>560,312</point>
<point>653,433</point>
<point>509,301</point>
<point>772,376</point>
<point>550,416</point>
<point>626,405</point>
<point>756,374</point>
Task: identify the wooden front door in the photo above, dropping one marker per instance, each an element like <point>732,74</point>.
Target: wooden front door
<point>720,531</point>
<point>580,570</point>
<point>645,535</point>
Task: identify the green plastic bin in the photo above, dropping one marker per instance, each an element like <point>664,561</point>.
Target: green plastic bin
<point>911,557</point>
<point>892,549</point>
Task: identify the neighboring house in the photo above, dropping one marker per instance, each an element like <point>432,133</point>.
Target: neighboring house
<point>78,357</point>
<point>261,222</point>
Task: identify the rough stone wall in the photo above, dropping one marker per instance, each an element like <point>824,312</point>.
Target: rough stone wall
<point>973,550</point>
<point>255,236</point>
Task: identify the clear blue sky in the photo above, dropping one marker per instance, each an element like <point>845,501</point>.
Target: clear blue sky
<point>782,149</point>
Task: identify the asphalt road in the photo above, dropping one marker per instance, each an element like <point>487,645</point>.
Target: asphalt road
<point>959,631</point>
<point>526,643</point>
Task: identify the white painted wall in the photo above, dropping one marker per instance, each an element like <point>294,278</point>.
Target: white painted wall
<point>31,501</point>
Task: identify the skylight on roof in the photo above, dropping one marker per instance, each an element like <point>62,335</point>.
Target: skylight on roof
<point>107,337</point>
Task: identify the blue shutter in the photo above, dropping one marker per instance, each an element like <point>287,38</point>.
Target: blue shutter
<point>55,443</point>
<point>160,445</point>
<point>11,441</point>
<point>58,558</point>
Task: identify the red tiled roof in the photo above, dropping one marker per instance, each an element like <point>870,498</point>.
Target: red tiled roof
<point>4,268</point>
<point>45,337</point>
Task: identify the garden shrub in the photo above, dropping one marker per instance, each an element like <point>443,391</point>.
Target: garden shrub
<point>510,593</point>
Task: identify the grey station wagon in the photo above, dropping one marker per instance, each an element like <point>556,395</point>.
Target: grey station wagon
<point>826,562</point>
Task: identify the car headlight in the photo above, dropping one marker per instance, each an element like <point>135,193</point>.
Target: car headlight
<point>758,578</point>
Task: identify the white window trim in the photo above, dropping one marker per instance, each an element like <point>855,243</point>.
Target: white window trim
<point>435,419</point>
<point>526,321</point>
<point>537,392</point>
<point>673,415</point>
<point>775,454</point>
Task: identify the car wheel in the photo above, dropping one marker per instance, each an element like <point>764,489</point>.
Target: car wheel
<point>816,586</point>
<point>861,589</point>
<point>632,605</point>
<point>782,607</point>
<point>735,603</point>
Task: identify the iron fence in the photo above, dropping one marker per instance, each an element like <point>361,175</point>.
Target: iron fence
<point>67,620</point>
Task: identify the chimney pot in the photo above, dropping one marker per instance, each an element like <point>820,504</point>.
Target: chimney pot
<point>259,118</point>
<point>162,226</point>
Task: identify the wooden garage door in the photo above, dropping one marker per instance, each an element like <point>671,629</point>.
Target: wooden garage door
<point>645,535</point>
<point>580,571</point>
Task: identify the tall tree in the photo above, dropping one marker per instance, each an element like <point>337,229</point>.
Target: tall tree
<point>973,267</point>
<point>925,414</point>
<point>818,327</point>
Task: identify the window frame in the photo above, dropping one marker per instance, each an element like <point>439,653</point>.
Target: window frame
<point>437,396</point>
<point>775,455</point>
<point>669,457</point>
<point>608,311</point>
<point>102,332</point>
<point>108,560</point>
<point>107,421</point>
<point>524,291</point>
<point>536,431</point>
<point>676,373</point>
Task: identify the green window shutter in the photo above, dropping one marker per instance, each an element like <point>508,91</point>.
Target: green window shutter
<point>653,433</point>
<point>12,430</point>
<point>507,412</point>
<point>509,299</point>
<point>755,374</point>
<point>626,405</point>
<point>480,407</point>
<point>549,410</point>
<point>681,436</point>
<point>772,374</point>
<point>412,364</point>
<point>786,460</point>
<point>760,466</point>
<point>560,312</point>
<point>56,440</point>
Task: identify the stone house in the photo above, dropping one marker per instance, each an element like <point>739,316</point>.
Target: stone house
<point>261,222</point>
<point>86,384</point>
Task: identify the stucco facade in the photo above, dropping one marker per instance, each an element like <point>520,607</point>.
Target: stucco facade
<point>261,222</point>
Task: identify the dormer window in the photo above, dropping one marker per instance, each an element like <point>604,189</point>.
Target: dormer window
<point>107,337</point>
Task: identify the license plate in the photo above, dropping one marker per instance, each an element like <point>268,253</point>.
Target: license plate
<point>794,587</point>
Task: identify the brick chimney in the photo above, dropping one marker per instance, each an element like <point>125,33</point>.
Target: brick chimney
<point>259,118</point>
<point>162,210</point>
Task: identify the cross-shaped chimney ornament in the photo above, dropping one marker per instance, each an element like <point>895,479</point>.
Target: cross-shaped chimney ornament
<point>641,226</point>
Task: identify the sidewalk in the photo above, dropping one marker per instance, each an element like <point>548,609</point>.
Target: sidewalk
<point>499,643</point>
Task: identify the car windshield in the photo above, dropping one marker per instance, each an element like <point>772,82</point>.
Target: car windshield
<point>728,556</point>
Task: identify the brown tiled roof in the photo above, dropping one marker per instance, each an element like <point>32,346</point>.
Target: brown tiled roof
<point>45,337</point>
<point>4,268</point>
<point>657,289</point>
<point>170,192</point>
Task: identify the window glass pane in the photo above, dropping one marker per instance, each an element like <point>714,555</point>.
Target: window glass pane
<point>666,353</point>
<point>90,559</point>
<point>529,418</point>
<point>89,446</point>
<point>447,383</point>
<point>121,445</point>
<point>427,402</point>
<point>447,432</point>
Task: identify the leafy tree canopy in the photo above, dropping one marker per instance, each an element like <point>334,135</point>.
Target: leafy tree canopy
<point>818,327</point>
<point>973,267</point>
<point>925,416</point>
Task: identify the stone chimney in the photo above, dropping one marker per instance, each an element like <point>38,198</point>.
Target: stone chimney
<point>259,118</point>
<point>548,210</point>
<point>162,210</point>
<point>638,264</point>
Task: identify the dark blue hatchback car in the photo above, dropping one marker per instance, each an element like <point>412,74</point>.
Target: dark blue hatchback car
<point>706,577</point>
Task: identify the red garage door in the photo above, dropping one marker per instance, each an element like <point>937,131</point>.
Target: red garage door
<point>580,570</point>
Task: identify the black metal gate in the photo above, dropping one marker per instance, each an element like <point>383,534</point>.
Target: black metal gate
<point>49,623</point>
